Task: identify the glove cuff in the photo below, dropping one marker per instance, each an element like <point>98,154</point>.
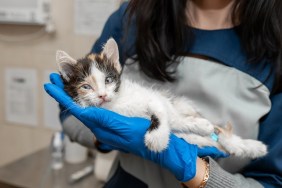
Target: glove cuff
<point>183,157</point>
<point>99,147</point>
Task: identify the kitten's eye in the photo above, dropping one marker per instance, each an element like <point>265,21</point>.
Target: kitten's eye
<point>86,86</point>
<point>109,80</point>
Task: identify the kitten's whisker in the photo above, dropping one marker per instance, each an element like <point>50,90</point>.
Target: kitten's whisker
<point>65,110</point>
<point>69,109</point>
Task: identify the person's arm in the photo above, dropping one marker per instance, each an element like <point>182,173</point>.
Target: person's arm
<point>77,132</point>
<point>219,178</point>
<point>202,175</point>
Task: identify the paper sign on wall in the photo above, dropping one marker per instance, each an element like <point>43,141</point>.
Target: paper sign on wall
<point>91,15</point>
<point>21,96</point>
<point>51,108</point>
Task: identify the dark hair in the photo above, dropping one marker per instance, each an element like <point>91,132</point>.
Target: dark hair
<point>162,34</point>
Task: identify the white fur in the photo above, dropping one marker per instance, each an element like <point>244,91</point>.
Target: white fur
<point>100,80</point>
<point>135,100</point>
<point>242,148</point>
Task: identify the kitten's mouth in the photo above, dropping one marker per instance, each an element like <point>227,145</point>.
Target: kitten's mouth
<point>103,101</point>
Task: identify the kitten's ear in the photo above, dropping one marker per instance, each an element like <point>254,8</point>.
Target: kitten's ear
<point>65,64</point>
<point>111,52</point>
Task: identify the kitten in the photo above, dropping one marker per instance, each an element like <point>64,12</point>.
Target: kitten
<point>96,81</point>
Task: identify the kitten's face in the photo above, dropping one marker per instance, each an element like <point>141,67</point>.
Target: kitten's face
<point>93,80</point>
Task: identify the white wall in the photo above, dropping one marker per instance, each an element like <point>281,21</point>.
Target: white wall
<point>18,140</point>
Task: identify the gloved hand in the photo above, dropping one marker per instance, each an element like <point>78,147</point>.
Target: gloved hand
<point>127,134</point>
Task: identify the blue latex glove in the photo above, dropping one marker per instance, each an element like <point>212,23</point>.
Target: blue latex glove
<point>127,133</point>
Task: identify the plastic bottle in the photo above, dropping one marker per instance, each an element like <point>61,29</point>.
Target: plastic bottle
<point>57,148</point>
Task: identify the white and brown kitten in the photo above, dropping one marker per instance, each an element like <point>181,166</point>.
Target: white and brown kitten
<point>96,81</point>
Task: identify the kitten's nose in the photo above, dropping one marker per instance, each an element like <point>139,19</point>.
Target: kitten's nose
<point>103,97</point>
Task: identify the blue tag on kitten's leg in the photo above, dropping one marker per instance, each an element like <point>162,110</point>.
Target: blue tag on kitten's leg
<point>214,136</point>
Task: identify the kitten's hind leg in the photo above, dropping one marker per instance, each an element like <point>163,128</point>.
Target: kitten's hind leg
<point>243,147</point>
<point>157,135</point>
<point>238,146</point>
<point>197,139</point>
<point>184,118</point>
<point>191,124</point>
<point>184,107</point>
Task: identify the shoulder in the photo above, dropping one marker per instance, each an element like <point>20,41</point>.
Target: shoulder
<point>123,7</point>
<point>113,28</point>
<point>120,13</point>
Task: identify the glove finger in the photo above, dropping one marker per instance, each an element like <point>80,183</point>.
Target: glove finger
<point>107,147</point>
<point>212,152</point>
<point>62,98</point>
<point>56,79</point>
<point>110,120</point>
<point>100,116</point>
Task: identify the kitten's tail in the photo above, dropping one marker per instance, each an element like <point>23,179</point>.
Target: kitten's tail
<point>155,123</point>
<point>157,135</point>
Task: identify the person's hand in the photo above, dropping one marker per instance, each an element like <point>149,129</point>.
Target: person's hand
<point>127,133</point>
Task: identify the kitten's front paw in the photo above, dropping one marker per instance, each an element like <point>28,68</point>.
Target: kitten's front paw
<point>156,141</point>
